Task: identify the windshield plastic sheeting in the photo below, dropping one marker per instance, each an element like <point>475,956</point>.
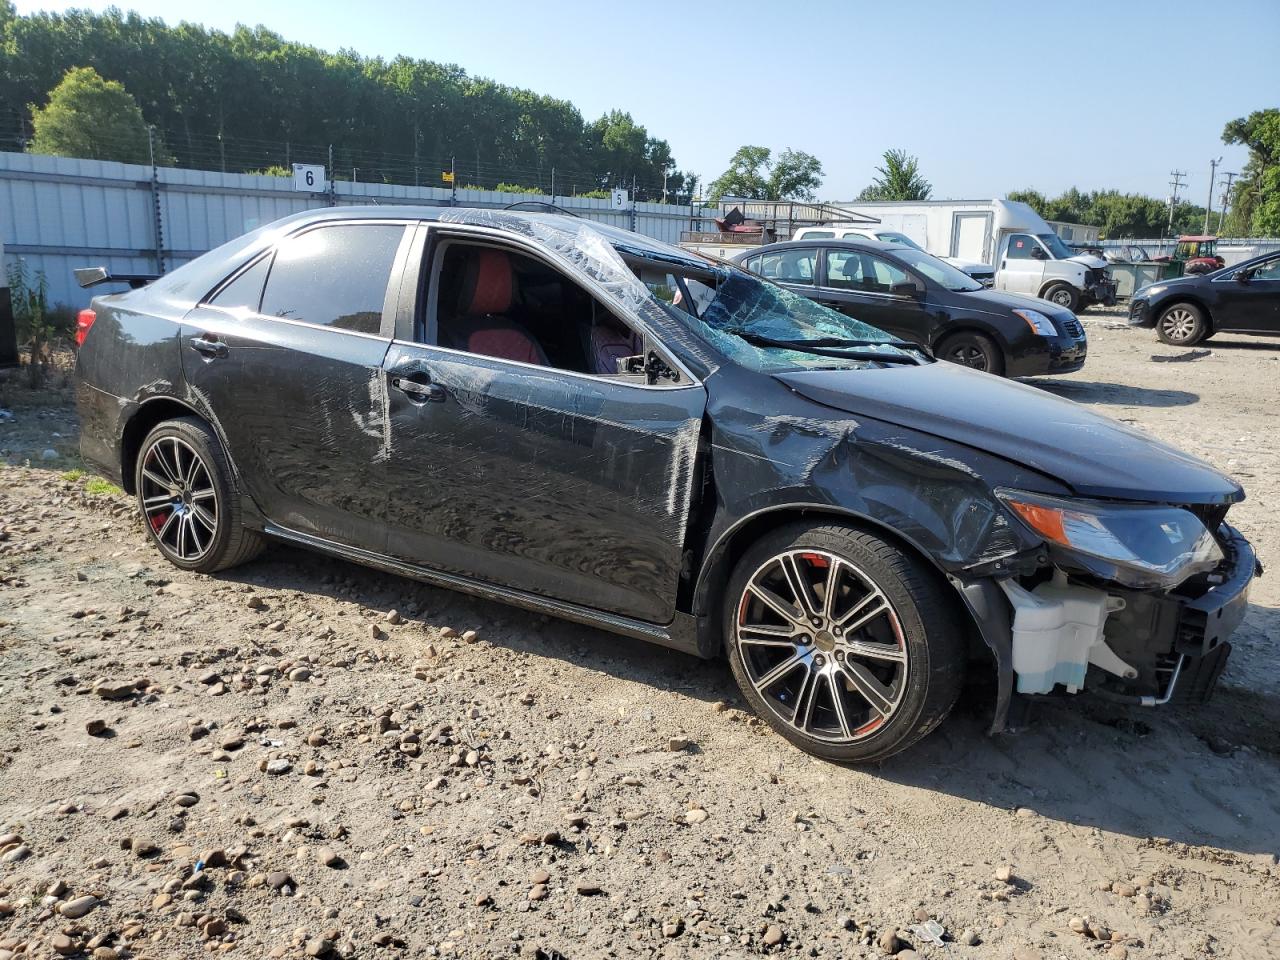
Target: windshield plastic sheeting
<point>744,304</point>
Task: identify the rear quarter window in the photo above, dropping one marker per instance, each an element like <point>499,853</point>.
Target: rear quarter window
<point>245,291</point>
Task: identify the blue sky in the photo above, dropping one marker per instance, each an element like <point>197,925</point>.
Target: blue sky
<point>990,96</point>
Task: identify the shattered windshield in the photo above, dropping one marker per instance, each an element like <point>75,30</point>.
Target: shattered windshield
<point>763,326</point>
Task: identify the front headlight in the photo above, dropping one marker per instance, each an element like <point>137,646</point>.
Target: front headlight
<point>1140,546</point>
<point>1151,291</point>
<point>1038,322</point>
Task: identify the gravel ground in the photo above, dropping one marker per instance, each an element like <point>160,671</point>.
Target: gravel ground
<point>306,758</point>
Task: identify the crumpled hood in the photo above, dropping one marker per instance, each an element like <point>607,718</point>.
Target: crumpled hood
<point>1094,455</point>
<point>1091,262</point>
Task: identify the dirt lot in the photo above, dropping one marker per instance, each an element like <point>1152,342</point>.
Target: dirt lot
<point>364,783</point>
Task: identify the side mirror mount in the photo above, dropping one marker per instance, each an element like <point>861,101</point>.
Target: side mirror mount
<point>1240,276</point>
<point>905,289</point>
<point>652,366</point>
<point>1038,254</point>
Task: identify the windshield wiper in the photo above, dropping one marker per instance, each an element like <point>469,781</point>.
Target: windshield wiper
<point>835,347</point>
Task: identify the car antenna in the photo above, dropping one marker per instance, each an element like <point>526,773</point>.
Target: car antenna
<point>540,206</point>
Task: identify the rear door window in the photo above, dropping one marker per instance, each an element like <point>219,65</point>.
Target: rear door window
<point>844,269</point>
<point>334,276</point>
<point>791,266</point>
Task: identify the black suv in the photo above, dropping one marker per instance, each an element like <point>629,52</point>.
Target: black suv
<point>1244,298</point>
<point>916,296</point>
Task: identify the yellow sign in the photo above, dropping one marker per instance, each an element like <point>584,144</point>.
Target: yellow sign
<point>446,176</point>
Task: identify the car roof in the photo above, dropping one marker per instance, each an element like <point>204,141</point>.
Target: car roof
<point>858,243</point>
<point>570,236</point>
<point>568,224</point>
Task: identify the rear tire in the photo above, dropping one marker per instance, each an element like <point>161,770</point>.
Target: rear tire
<point>855,679</point>
<point>1063,295</point>
<point>189,503</point>
<point>1182,325</point>
<point>972,349</point>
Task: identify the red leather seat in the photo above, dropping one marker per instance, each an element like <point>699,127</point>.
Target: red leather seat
<point>482,326</point>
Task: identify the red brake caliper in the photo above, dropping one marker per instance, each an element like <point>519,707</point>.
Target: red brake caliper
<point>158,520</point>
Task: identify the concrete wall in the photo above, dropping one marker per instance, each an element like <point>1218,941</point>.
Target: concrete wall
<point>59,213</point>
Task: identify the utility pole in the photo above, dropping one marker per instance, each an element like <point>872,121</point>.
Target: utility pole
<point>1213,170</point>
<point>1175,184</point>
<point>1226,198</point>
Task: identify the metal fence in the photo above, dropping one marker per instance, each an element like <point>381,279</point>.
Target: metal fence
<point>58,213</point>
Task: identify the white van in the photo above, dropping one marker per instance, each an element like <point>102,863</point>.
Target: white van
<point>983,273</point>
<point>1027,256</point>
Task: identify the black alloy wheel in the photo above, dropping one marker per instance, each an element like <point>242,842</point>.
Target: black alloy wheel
<point>188,501</point>
<point>844,644</point>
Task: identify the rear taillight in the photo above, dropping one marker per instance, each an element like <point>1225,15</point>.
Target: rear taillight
<point>84,320</point>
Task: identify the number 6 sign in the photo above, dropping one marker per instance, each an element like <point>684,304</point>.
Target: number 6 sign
<point>308,177</point>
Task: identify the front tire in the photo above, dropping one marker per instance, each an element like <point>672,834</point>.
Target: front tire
<point>1182,325</point>
<point>841,642</point>
<point>972,349</point>
<point>1063,295</point>
<point>188,500</point>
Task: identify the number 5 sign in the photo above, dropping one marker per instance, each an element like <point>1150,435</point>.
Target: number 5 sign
<point>308,177</point>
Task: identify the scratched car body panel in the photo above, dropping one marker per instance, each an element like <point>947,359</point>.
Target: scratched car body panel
<point>589,423</point>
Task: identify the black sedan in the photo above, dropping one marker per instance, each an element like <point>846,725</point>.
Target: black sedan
<point>588,423</point>
<point>1244,298</point>
<point>918,297</point>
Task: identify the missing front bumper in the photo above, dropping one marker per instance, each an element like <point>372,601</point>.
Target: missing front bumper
<point>1174,644</point>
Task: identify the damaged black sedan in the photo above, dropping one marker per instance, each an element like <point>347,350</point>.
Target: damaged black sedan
<point>584,422</point>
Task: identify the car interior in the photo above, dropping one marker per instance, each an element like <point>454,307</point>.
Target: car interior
<point>499,303</point>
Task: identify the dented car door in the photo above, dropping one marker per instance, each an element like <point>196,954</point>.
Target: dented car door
<point>572,486</point>
<point>285,359</point>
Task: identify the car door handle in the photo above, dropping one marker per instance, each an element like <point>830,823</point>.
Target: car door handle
<point>420,391</point>
<point>209,346</point>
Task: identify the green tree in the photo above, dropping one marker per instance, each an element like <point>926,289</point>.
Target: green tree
<point>899,179</point>
<point>754,175</point>
<point>251,99</point>
<point>795,176</point>
<point>745,177</point>
<point>87,116</point>
<point>1255,197</point>
<point>1032,198</point>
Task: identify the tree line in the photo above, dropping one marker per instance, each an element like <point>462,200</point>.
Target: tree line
<point>249,99</point>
